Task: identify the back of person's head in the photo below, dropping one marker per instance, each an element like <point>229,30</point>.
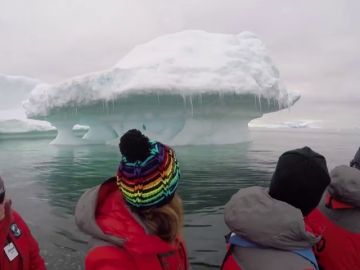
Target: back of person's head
<point>355,162</point>
<point>165,221</point>
<point>148,176</point>
<point>300,179</point>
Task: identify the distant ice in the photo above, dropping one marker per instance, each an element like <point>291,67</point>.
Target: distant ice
<point>13,90</point>
<point>23,126</point>
<point>189,87</point>
<point>28,125</point>
<point>288,124</point>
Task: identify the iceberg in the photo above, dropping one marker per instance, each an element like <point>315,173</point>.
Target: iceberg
<point>190,87</point>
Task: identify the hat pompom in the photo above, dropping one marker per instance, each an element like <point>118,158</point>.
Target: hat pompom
<point>134,146</point>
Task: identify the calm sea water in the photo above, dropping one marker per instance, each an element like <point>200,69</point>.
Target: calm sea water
<point>46,181</point>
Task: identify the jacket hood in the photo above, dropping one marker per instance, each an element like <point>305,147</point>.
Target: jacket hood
<point>255,215</point>
<point>102,213</point>
<point>85,216</point>
<point>345,185</point>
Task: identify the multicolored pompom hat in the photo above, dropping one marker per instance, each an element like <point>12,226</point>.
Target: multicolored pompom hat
<point>152,182</point>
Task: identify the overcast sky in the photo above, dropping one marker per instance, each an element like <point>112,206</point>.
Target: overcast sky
<point>315,44</point>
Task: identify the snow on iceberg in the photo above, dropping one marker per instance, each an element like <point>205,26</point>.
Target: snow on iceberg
<point>190,87</point>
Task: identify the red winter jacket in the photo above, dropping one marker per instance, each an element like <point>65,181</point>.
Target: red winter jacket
<point>339,249</point>
<point>338,215</point>
<point>121,241</point>
<point>229,262</point>
<point>14,230</point>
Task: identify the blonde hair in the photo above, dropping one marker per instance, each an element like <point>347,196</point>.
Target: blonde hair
<point>166,221</point>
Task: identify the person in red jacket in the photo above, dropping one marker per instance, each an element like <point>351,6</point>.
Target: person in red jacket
<point>136,217</point>
<point>338,215</point>
<point>19,249</point>
<point>267,224</point>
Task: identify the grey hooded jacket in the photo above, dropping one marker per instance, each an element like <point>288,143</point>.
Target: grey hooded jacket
<point>345,187</point>
<point>86,221</point>
<point>276,226</point>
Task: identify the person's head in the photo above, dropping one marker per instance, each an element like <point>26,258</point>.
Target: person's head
<point>300,179</point>
<point>355,162</point>
<point>148,176</point>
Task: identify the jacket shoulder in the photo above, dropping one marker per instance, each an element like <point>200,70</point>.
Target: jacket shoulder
<point>270,259</point>
<point>19,221</point>
<point>108,258</point>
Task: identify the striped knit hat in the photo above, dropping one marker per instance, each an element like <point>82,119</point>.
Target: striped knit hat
<point>151,182</point>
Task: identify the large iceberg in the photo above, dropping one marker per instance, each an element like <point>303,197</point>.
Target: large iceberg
<point>190,87</point>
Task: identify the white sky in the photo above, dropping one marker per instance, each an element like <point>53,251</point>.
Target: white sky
<point>315,44</point>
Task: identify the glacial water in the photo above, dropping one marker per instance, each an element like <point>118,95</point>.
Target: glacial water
<point>45,182</point>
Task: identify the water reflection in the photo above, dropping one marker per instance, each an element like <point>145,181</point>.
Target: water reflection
<point>69,171</point>
<point>54,177</point>
<point>211,174</point>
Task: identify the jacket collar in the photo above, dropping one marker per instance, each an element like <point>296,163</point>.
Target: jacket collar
<point>332,203</point>
<point>102,213</point>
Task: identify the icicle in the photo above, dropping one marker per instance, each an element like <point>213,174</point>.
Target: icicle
<point>184,100</point>
<point>221,97</point>
<point>255,99</point>
<point>106,105</point>
<point>259,98</point>
<point>191,106</point>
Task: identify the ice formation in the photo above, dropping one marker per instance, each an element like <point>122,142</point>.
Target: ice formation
<point>190,87</point>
